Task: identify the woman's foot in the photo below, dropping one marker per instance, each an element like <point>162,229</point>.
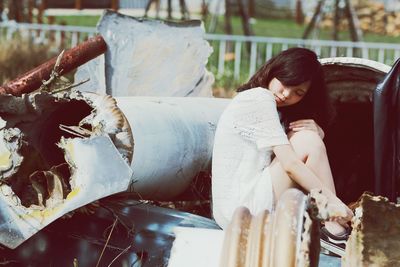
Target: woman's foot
<point>334,243</point>
<point>335,228</point>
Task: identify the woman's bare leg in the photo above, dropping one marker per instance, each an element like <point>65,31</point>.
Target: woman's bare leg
<point>311,150</point>
<point>309,145</point>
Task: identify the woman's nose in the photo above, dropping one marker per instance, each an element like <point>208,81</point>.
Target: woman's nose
<point>286,94</point>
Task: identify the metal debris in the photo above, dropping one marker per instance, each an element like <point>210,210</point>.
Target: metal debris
<point>47,172</point>
<point>60,151</point>
<point>149,58</point>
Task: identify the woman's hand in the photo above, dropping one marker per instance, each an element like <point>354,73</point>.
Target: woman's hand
<point>343,220</point>
<point>308,124</point>
<point>340,212</point>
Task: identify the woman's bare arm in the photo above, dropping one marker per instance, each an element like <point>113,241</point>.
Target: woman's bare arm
<point>306,178</point>
<point>297,170</point>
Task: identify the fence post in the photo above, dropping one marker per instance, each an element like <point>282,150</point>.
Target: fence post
<point>238,53</point>
<point>333,51</point>
<point>268,52</point>
<point>221,57</point>
<point>74,39</point>
<point>10,32</point>
<point>396,54</point>
<point>253,58</point>
<point>349,51</point>
<point>381,55</point>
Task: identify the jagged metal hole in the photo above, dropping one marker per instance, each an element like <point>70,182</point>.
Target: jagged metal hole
<point>44,167</point>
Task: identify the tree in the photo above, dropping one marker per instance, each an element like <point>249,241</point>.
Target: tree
<point>245,18</point>
<point>252,8</point>
<point>355,32</point>
<point>299,12</point>
<point>182,5</point>
<point>1,9</point>
<point>16,10</point>
<point>243,9</point>
<point>228,14</point>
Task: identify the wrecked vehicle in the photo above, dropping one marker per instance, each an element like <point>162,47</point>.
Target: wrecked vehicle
<point>63,151</point>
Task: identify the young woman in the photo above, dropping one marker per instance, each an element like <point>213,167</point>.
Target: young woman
<point>255,158</point>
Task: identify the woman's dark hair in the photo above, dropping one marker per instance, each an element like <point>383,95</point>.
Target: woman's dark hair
<point>291,67</point>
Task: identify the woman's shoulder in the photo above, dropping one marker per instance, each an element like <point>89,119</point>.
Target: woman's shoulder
<point>254,93</point>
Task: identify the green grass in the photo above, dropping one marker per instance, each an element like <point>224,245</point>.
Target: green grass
<point>286,28</point>
<point>88,21</point>
<point>20,55</point>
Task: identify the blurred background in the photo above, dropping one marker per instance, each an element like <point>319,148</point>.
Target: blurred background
<point>243,33</point>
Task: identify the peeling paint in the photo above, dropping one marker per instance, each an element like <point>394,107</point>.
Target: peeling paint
<point>46,172</point>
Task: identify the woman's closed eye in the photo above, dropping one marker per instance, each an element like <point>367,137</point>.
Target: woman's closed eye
<point>300,92</point>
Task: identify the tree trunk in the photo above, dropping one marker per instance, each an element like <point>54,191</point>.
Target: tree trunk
<point>16,9</point>
<point>1,9</point>
<point>42,8</point>
<point>354,27</point>
<point>228,14</point>
<point>252,8</point>
<point>204,10</point>
<point>299,13</point>
<point>115,5</point>
<point>214,17</point>
<point>147,8</point>
<point>78,4</point>
<point>311,25</point>
<point>169,9</point>
<point>158,9</point>
<point>336,21</point>
<point>31,5</point>
<point>184,10</point>
<point>245,18</point>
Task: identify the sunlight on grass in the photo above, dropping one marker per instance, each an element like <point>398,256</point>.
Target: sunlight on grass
<point>19,56</point>
<point>285,28</point>
<point>88,21</point>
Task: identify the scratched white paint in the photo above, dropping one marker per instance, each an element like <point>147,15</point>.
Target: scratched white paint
<point>173,141</point>
<point>150,58</point>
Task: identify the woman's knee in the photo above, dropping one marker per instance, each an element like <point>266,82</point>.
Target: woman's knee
<point>306,142</point>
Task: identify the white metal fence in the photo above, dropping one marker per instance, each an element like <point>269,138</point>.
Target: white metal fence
<point>234,56</point>
<point>67,36</point>
<point>251,52</point>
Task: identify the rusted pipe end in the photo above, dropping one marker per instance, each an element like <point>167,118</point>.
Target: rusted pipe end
<point>71,59</point>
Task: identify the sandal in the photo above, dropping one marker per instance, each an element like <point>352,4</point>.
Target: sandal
<point>334,244</point>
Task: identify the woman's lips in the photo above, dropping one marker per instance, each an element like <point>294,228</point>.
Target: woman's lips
<point>278,100</point>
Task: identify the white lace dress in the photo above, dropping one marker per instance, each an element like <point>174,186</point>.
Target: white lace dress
<point>246,133</point>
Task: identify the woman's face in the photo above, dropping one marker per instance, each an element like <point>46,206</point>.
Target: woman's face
<point>288,95</point>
